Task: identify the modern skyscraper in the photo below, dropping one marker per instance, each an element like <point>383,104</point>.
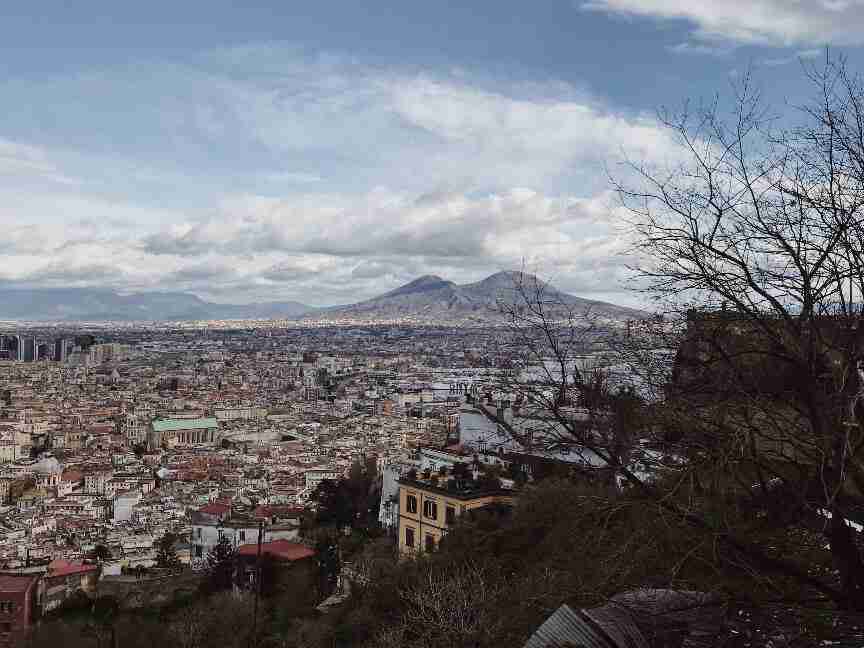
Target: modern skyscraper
<point>61,349</point>
<point>8,347</point>
<point>30,350</point>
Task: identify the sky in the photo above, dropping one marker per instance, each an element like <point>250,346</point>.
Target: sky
<point>327,152</point>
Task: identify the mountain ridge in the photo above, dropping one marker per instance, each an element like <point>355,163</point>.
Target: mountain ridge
<point>432,298</point>
<point>428,298</point>
<point>102,304</point>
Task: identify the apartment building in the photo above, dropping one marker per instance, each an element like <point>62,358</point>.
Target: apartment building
<point>428,508</point>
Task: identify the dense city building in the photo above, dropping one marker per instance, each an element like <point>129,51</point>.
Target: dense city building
<point>111,439</point>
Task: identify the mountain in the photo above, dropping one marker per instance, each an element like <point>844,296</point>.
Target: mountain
<point>426,299</point>
<point>426,283</point>
<point>431,298</point>
<point>89,304</point>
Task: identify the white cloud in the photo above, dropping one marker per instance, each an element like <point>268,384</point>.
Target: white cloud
<point>293,177</point>
<point>384,222</point>
<point>328,248</point>
<point>763,22</point>
<point>359,178</point>
<point>20,160</point>
<point>803,55</point>
<point>496,136</point>
<point>713,49</point>
<point>314,237</point>
<point>404,129</point>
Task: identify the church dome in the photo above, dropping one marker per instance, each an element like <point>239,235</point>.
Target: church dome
<point>47,466</point>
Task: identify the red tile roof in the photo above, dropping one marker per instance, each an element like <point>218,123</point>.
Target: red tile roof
<point>10,583</point>
<point>62,568</point>
<point>215,508</point>
<point>278,510</point>
<point>278,549</point>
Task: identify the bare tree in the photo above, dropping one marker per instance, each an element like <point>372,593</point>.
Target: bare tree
<point>549,339</point>
<point>580,384</point>
<point>447,607</point>
<point>765,225</point>
<point>753,245</point>
<point>222,618</point>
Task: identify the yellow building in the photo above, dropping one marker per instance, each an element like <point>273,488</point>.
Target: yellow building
<point>426,511</point>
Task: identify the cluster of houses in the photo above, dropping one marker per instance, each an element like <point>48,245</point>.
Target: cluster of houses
<point>101,460</point>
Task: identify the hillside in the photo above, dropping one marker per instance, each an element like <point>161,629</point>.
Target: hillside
<point>428,299</point>
<point>432,298</point>
<point>88,304</point>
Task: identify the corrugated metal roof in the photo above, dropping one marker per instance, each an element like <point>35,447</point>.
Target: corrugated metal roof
<point>171,425</point>
<point>631,618</point>
<point>598,628</point>
<point>618,626</point>
<point>659,611</point>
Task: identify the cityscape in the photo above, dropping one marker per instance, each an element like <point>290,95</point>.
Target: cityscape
<point>114,439</point>
<point>434,325</point>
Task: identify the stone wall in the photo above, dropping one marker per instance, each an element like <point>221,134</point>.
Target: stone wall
<point>151,591</point>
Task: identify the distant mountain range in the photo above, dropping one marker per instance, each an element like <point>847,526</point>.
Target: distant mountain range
<point>428,298</point>
<point>96,305</point>
<point>432,298</point>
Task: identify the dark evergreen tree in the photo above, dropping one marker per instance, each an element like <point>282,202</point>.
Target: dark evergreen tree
<point>221,566</point>
<point>352,501</point>
<point>100,552</point>
<point>166,555</point>
<point>334,503</point>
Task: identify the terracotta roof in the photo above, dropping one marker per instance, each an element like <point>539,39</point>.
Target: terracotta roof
<point>10,583</point>
<point>215,508</point>
<point>62,568</point>
<point>263,512</point>
<point>278,510</point>
<point>278,549</point>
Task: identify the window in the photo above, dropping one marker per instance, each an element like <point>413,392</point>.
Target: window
<point>430,509</point>
<point>199,551</point>
<point>242,535</point>
<point>409,537</point>
<point>411,503</point>
<point>430,543</point>
<point>7,606</point>
<point>198,533</point>
<point>450,514</point>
